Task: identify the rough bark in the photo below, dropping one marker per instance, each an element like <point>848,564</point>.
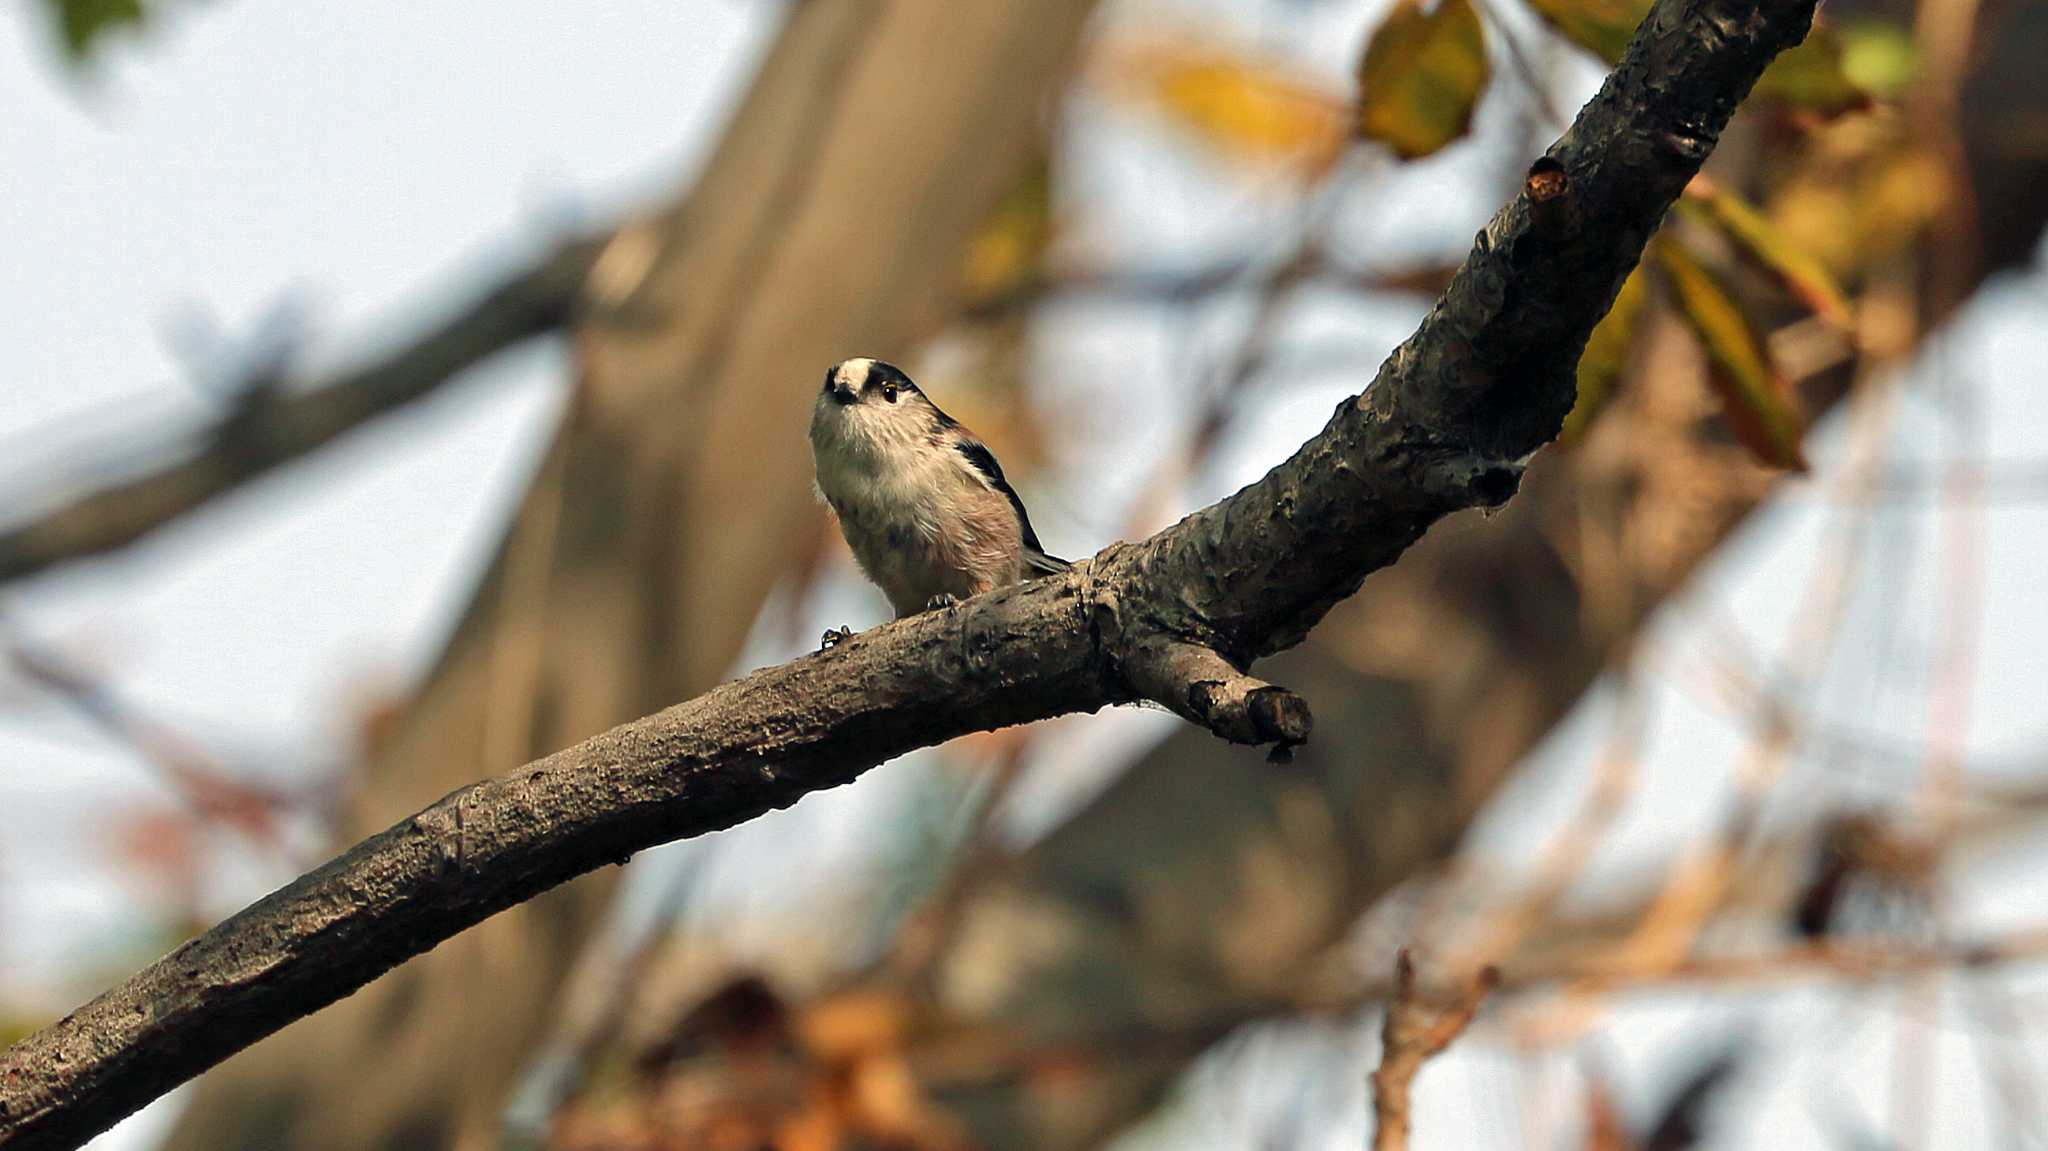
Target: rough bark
<point>1486,381</point>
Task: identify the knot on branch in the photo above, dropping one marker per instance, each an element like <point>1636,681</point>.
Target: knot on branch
<point>1199,685</point>
<point>1546,181</point>
<point>1473,481</point>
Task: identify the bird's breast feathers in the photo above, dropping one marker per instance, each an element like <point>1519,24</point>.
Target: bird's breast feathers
<point>917,491</point>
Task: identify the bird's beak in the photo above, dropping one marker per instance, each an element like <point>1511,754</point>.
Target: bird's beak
<point>842,394</point>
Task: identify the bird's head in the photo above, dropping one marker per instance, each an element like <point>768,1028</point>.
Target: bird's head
<point>866,400</point>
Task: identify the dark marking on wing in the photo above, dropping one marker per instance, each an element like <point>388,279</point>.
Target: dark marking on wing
<point>984,461</point>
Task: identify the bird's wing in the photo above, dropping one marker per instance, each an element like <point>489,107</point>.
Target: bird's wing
<point>983,461</point>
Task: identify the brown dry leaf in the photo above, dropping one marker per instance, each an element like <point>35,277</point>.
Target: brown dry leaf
<point>1762,243</point>
<point>1606,356</point>
<point>1752,393</point>
<point>1421,77</point>
<point>1248,110</point>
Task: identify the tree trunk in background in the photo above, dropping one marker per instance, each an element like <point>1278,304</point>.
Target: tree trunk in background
<point>829,223</point>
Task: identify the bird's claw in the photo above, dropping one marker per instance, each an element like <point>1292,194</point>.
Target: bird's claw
<point>944,599</point>
<point>834,636</point>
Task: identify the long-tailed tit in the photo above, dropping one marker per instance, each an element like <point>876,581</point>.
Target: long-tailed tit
<point>922,501</point>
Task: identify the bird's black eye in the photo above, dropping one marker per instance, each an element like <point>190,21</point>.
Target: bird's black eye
<point>889,392</point>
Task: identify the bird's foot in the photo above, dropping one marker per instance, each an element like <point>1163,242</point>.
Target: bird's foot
<point>944,599</point>
<point>834,636</point>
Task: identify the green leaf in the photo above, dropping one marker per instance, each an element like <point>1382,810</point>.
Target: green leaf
<point>1763,244</point>
<point>1812,78</point>
<point>1740,369</point>
<point>81,23</point>
<point>1602,27</point>
<point>1879,57</point>
<point>1422,76</point>
<point>1607,355</point>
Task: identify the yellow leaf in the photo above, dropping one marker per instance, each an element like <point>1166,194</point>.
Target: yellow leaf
<point>1866,190</point>
<point>1247,110</point>
<point>1421,77</point>
<point>1752,394</point>
<point>1602,27</point>
<point>1761,242</point>
<point>1879,57</point>
<point>1012,242</point>
<point>1606,356</point>
<point>1811,77</point>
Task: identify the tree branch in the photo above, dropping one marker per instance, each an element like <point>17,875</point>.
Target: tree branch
<point>1486,380</point>
<point>275,422</point>
<point>1415,1031</point>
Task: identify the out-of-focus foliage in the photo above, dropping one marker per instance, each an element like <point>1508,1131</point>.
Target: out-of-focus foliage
<point>81,23</point>
<point>1246,109</point>
<point>742,1069</point>
<point>1761,242</point>
<point>1878,57</point>
<point>1740,369</point>
<point>982,373</point>
<point>1601,27</point>
<point>1421,77</point>
<point>1866,190</point>
<point>1812,77</point>
<point>1010,248</point>
<point>1607,355</point>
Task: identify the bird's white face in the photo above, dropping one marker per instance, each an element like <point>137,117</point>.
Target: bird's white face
<point>867,406</point>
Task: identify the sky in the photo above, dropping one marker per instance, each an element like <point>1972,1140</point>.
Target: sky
<point>351,166</point>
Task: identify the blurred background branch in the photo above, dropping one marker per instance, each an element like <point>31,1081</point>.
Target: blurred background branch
<point>274,419</point>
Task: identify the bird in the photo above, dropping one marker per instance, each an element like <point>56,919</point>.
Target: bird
<point>922,502</point>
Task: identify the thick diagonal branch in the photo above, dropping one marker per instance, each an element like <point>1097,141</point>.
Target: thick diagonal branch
<point>276,422</point>
<point>1486,380</point>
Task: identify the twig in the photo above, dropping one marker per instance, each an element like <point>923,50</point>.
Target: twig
<point>1176,285</point>
<point>1414,1032</point>
<point>1614,779</point>
<point>1525,68</point>
<point>1703,876</point>
<point>277,421</point>
<point>212,794</point>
